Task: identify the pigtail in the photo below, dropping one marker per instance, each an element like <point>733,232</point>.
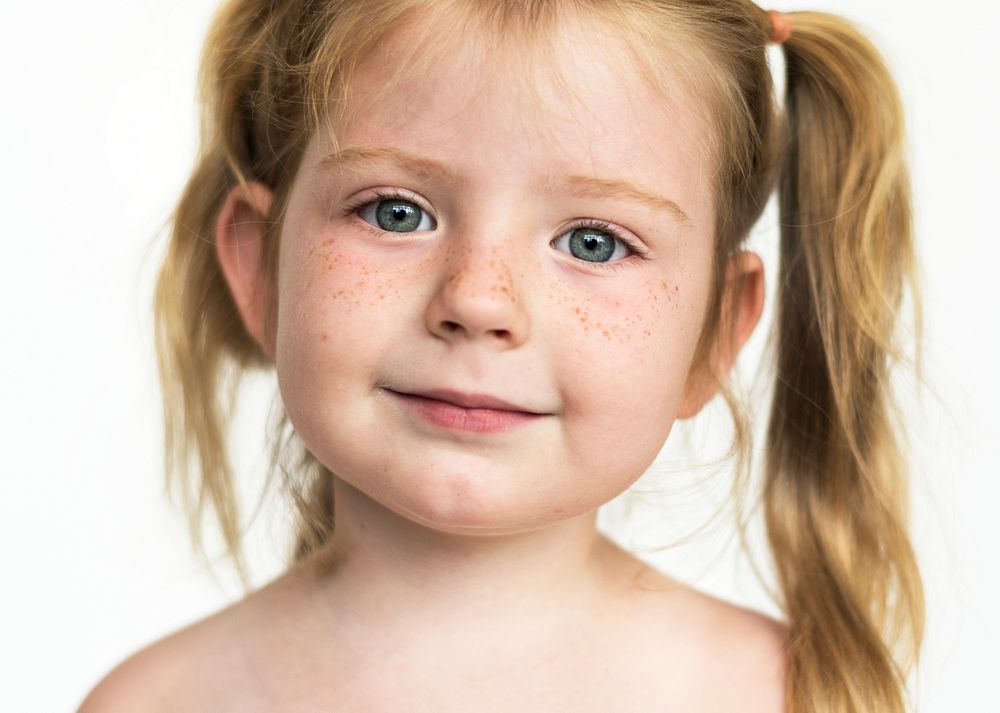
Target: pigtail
<point>835,490</point>
<point>202,346</point>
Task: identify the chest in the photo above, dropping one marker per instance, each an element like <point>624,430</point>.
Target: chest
<point>579,681</point>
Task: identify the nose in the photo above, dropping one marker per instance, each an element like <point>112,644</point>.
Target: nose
<point>478,298</point>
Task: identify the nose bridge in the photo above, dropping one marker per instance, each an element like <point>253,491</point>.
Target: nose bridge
<point>477,266</point>
<point>479,295</point>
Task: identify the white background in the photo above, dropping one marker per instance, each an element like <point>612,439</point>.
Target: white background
<point>99,133</point>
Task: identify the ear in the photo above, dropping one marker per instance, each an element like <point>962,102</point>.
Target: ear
<point>742,305</point>
<point>239,245</point>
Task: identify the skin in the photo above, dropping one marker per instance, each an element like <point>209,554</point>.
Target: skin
<point>457,552</point>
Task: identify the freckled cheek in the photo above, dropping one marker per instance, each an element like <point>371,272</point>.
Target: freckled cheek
<point>337,302</point>
<point>627,344</point>
<point>346,280</point>
<point>634,324</point>
<point>620,364</point>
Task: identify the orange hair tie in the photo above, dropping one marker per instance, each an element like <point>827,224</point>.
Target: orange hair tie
<point>781,27</point>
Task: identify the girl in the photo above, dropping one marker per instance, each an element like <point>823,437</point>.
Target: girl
<point>493,251</point>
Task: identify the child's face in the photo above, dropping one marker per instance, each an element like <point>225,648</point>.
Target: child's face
<point>481,288</point>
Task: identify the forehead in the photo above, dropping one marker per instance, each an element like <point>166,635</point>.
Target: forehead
<point>578,100</point>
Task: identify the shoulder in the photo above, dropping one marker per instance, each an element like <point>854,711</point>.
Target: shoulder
<point>750,648</point>
<point>145,681</point>
<point>734,658</point>
<point>185,670</point>
<point>213,665</point>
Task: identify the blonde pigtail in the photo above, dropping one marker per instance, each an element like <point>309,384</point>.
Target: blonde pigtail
<point>201,343</point>
<point>835,491</point>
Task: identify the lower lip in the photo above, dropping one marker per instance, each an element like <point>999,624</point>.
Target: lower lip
<point>481,420</point>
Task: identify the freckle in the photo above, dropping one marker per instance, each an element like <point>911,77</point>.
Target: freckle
<point>359,283</point>
<point>381,296</point>
<point>606,333</point>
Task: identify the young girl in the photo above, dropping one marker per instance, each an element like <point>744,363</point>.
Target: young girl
<point>493,251</point>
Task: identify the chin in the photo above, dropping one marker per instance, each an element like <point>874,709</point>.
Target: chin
<point>480,501</point>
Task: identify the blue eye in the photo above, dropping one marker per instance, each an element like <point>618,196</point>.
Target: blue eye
<point>394,213</point>
<point>597,242</point>
<point>591,241</point>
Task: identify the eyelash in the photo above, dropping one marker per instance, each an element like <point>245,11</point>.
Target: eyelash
<point>636,250</point>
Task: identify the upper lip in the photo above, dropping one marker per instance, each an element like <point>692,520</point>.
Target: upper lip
<point>466,399</point>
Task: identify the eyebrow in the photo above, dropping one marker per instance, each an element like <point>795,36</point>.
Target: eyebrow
<point>349,158</point>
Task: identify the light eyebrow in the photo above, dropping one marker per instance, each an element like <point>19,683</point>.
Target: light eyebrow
<point>346,159</point>
<point>611,188</point>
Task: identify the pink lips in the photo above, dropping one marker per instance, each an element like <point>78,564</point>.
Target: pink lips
<point>468,412</point>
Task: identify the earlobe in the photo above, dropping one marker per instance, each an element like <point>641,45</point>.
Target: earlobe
<point>742,308</point>
<point>239,231</point>
<point>697,393</point>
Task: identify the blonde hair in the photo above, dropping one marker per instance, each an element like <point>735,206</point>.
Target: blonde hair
<point>835,485</point>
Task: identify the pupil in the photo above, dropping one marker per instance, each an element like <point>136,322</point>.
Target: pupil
<point>591,245</point>
<point>398,216</point>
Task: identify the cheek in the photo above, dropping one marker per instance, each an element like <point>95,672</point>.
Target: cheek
<point>625,356</point>
<point>641,335</point>
<point>343,282</point>
<point>336,312</point>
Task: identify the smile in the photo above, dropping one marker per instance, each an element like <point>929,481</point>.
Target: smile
<point>450,415</point>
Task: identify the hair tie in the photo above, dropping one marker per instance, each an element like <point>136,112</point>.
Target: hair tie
<point>781,27</point>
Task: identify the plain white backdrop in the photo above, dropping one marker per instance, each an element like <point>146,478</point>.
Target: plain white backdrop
<point>99,133</point>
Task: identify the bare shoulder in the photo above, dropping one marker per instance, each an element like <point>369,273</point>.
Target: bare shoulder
<point>187,670</point>
<point>145,681</point>
<point>734,657</point>
<point>750,650</point>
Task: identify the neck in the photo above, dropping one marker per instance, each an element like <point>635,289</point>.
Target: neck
<point>389,578</point>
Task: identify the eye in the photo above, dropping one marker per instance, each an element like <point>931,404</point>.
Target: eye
<point>597,242</point>
<point>592,241</point>
<point>394,213</point>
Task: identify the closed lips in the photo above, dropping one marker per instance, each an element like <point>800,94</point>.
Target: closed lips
<point>467,400</point>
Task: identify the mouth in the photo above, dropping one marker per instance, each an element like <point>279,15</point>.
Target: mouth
<point>470,400</point>
<point>465,411</point>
